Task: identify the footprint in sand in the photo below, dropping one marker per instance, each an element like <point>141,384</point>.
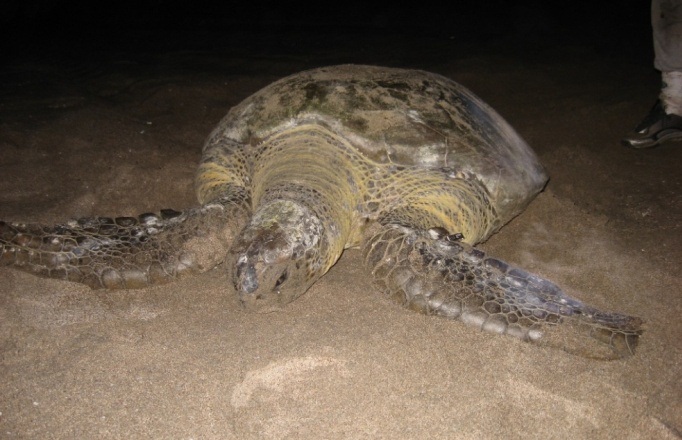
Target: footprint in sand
<point>280,377</point>
<point>280,399</point>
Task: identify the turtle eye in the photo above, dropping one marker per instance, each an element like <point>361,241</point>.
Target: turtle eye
<point>282,278</point>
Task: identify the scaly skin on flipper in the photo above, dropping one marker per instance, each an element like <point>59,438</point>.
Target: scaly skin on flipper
<point>402,163</point>
<point>125,252</point>
<point>439,277</point>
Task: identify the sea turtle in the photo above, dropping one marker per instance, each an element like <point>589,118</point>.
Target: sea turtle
<point>408,165</point>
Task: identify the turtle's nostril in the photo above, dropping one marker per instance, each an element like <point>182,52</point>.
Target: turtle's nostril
<point>282,278</point>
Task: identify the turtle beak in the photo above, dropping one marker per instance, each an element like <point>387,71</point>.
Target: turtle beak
<point>246,280</point>
<point>254,294</point>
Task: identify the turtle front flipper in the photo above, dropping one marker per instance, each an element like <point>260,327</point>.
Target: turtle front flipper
<point>124,252</point>
<point>442,277</point>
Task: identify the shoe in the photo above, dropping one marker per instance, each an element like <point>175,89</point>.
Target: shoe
<point>656,128</point>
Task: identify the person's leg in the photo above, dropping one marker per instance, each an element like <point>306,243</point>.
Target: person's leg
<point>666,21</point>
<point>664,121</point>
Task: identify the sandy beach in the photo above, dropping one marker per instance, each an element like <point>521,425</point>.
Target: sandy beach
<point>119,133</point>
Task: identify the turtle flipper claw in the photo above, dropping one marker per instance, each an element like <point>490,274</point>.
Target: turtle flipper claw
<point>457,281</point>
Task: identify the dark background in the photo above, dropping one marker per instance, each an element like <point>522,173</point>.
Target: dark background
<point>615,28</point>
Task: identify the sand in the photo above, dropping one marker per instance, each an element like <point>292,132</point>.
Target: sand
<point>119,133</point>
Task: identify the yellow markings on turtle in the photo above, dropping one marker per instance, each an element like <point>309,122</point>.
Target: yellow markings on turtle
<point>313,164</point>
<point>320,168</point>
<point>424,198</point>
<point>212,179</point>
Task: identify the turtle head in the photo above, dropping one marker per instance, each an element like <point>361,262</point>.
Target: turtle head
<point>277,257</point>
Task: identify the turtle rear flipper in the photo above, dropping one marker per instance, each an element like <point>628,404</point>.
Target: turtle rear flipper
<point>125,252</point>
<point>439,276</point>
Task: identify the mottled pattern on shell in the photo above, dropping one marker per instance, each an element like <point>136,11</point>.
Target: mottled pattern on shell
<point>405,118</point>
